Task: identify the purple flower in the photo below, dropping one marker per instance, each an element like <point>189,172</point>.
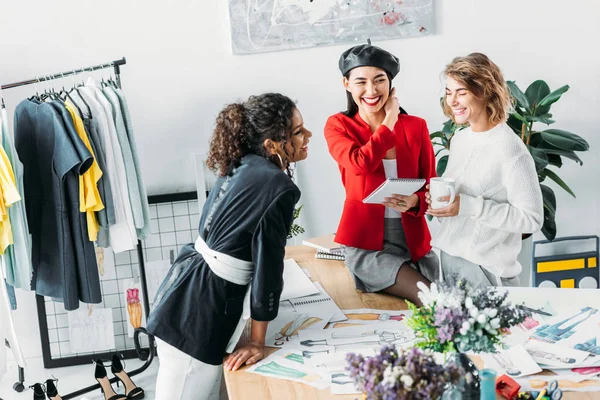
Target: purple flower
<point>400,374</point>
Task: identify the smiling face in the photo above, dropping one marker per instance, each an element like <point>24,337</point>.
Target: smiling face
<point>465,106</point>
<point>369,87</point>
<point>297,146</point>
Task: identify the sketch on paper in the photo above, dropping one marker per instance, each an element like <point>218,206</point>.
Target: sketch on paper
<point>515,362</point>
<point>283,329</point>
<point>272,25</point>
<point>366,316</point>
<point>132,294</point>
<point>548,354</point>
<point>91,331</point>
<point>375,335</point>
<point>279,367</point>
<point>335,364</point>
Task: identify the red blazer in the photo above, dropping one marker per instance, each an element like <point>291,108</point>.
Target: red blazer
<point>359,154</point>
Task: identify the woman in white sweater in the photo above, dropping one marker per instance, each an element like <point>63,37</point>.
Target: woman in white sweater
<point>498,192</point>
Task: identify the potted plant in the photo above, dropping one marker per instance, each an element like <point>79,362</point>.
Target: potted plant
<point>456,318</point>
<point>547,146</point>
<point>295,229</point>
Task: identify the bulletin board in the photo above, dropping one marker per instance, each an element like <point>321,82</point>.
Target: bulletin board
<point>75,338</point>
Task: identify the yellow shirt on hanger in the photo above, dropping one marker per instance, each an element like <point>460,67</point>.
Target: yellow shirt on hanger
<point>8,195</point>
<point>89,196</point>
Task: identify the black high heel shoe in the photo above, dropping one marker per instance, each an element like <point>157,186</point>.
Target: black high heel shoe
<point>51,390</point>
<point>38,391</point>
<point>105,386</point>
<point>132,391</point>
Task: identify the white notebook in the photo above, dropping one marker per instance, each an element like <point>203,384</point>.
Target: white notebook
<point>404,187</point>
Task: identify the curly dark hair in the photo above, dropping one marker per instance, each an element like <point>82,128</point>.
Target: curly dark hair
<point>242,128</point>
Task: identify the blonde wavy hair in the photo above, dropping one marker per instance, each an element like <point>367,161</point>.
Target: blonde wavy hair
<point>484,79</point>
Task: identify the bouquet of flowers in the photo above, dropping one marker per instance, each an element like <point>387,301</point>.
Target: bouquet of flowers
<point>460,319</point>
<point>401,374</point>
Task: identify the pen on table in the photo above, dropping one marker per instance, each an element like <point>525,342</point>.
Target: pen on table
<point>535,310</point>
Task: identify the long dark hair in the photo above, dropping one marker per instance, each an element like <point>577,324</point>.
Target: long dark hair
<point>242,128</point>
<point>352,107</point>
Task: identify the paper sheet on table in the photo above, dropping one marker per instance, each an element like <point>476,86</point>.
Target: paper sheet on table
<point>329,341</point>
<point>287,325</point>
<point>91,332</point>
<point>320,302</point>
<point>295,282</point>
<point>365,316</point>
<point>553,355</point>
<point>276,366</point>
<point>515,362</point>
<point>335,364</point>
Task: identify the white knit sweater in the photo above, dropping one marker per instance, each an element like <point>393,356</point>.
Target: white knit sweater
<point>500,198</point>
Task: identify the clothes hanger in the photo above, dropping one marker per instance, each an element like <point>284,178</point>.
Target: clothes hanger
<point>76,89</point>
<point>2,105</point>
<point>67,96</point>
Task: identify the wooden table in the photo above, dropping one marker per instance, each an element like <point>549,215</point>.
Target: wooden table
<point>338,283</point>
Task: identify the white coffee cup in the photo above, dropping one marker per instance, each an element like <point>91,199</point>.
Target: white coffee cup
<point>441,187</point>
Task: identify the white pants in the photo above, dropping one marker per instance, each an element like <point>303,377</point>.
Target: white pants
<point>181,377</point>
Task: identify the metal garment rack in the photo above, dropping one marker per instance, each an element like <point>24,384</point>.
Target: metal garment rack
<point>146,355</point>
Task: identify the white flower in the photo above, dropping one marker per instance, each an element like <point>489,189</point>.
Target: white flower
<point>407,381</point>
<point>473,312</point>
<point>388,378</point>
<point>495,323</point>
<point>481,318</point>
<point>491,312</point>
<point>469,302</point>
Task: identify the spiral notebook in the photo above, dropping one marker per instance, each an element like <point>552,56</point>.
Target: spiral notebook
<point>404,187</point>
<point>321,303</point>
<point>329,256</point>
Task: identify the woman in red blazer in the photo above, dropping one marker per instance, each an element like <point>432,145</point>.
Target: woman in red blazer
<point>386,246</point>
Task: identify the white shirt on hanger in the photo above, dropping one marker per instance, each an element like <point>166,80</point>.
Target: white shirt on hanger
<point>122,234</point>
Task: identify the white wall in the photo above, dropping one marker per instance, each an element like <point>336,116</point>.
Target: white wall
<point>180,72</point>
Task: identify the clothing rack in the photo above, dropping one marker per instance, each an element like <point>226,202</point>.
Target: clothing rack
<point>145,355</point>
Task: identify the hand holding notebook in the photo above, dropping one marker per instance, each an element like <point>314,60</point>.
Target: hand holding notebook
<point>405,187</point>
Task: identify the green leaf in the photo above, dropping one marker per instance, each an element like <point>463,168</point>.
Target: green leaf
<point>519,96</point>
<point>552,175</point>
<point>549,226</point>
<point>449,127</point>
<point>558,152</point>
<point>554,96</point>
<point>520,118</point>
<point>437,134</point>
<point>549,199</point>
<point>514,124</point>
<point>554,159</point>
<point>565,140</point>
<point>439,151</point>
<point>535,93</point>
<point>441,165</point>
<point>539,157</point>
<point>545,119</point>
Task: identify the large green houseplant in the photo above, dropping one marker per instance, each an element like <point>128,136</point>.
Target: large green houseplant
<point>547,147</point>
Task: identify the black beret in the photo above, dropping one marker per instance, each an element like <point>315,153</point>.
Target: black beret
<point>367,55</point>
